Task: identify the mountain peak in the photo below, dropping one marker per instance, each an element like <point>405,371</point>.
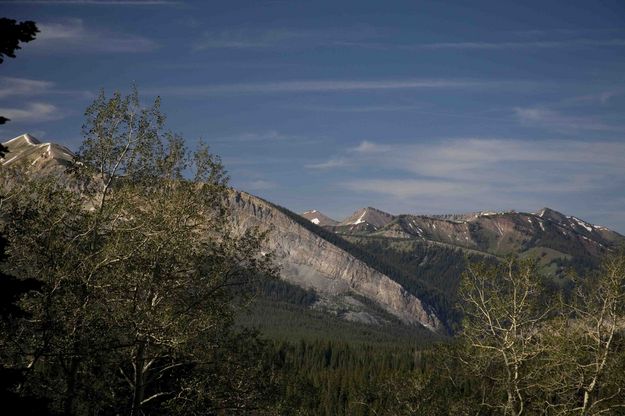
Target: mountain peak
<point>24,139</point>
<point>28,150</point>
<point>319,218</point>
<point>551,214</point>
<point>369,215</point>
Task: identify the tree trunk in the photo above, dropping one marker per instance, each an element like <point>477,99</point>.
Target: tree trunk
<point>139,382</point>
<point>70,392</point>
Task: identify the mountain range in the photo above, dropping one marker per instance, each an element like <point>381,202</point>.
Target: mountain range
<point>497,233</point>
<point>382,269</point>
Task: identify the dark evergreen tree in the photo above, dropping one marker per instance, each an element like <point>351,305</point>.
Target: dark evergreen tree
<point>12,377</point>
<point>11,34</point>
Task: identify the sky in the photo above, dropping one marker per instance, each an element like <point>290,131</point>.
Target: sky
<point>414,107</point>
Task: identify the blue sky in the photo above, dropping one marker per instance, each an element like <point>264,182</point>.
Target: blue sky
<point>411,107</point>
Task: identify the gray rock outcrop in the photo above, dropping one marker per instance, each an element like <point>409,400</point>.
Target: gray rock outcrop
<point>310,261</point>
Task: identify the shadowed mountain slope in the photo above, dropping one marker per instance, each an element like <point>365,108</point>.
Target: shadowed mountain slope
<point>309,256</point>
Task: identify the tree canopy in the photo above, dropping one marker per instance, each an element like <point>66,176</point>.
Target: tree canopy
<point>12,33</point>
<point>137,261</point>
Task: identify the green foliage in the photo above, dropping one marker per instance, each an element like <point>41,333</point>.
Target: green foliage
<point>127,282</point>
<point>502,329</point>
<point>239,378</point>
<point>290,322</point>
<point>523,353</point>
<point>543,355</point>
<point>334,378</point>
<point>426,270</point>
<point>137,268</point>
<point>280,291</point>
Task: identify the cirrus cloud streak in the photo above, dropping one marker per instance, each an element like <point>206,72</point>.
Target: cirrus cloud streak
<point>476,166</point>
<point>312,86</point>
<point>74,35</point>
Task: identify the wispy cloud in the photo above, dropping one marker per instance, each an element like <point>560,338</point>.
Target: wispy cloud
<point>359,108</point>
<point>33,113</point>
<point>281,38</point>
<point>602,97</point>
<point>256,137</point>
<point>245,40</point>
<point>329,164</point>
<point>501,116</point>
<point>578,31</point>
<point>94,2</point>
<point>571,43</point>
<point>10,86</point>
<point>376,38</point>
<point>301,86</point>
<point>556,120</point>
<point>456,157</point>
<point>489,45</point>
<point>480,167</point>
<point>266,139</point>
<point>25,87</point>
<point>73,35</point>
<point>406,188</point>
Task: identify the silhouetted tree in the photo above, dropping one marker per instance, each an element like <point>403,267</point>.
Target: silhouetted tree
<point>11,289</point>
<point>11,377</point>
<point>11,34</point>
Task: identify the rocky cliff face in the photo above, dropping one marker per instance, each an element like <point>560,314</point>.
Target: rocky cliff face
<point>310,261</point>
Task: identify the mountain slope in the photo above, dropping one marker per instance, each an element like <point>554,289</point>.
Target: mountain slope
<point>374,267</point>
<point>319,218</point>
<point>346,285</point>
<point>41,157</point>
<point>312,261</point>
<point>363,221</point>
<point>431,252</point>
<point>504,233</point>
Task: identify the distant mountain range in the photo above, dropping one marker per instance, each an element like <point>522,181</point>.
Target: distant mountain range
<point>546,232</point>
<point>378,268</point>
